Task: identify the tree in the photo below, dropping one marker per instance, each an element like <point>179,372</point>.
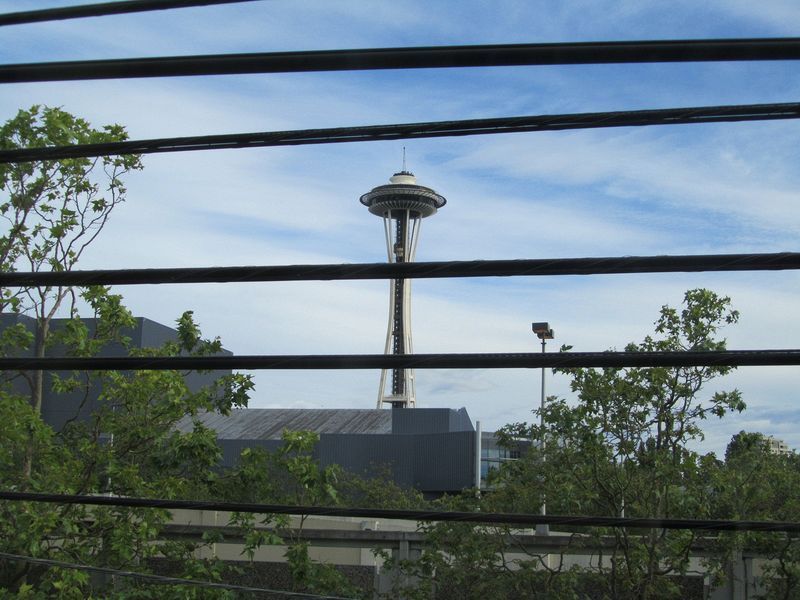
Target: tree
<point>623,449</point>
<point>754,484</point>
<point>130,446</point>
<point>290,475</point>
<point>54,210</point>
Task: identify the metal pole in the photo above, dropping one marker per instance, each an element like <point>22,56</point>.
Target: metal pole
<point>541,416</point>
<point>543,528</point>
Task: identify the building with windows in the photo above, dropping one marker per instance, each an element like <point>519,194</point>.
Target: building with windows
<point>777,446</point>
<point>493,455</point>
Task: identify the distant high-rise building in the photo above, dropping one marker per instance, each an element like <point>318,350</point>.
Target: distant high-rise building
<point>777,446</point>
<point>402,204</point>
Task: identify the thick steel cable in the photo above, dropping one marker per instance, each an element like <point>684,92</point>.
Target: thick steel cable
<point>418,270</point>
<point>511,360</point>
<point>497,55</point>
<point>518,519</point>
<point>162,579</point>
<point>102,9</point>
<point>370,133</point>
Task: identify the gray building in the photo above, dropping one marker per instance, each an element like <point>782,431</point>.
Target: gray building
<point>430,449</point>
<point>434,450</point>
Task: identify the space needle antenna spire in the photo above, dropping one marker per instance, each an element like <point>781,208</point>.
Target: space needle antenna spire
<point>402,204</point>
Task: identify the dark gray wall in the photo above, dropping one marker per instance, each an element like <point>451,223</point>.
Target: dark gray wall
<point>59,409</point>
<point>232,449</point>
<point>430,420</point>
<point>371,455</point>
<point>444,462</point>
<point>433,463</point>
<point>429,462</point>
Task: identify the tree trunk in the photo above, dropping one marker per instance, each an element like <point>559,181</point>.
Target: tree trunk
<point>37,392</point>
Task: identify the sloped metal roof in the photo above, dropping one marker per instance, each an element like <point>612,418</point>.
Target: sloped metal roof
<point>269,423</point>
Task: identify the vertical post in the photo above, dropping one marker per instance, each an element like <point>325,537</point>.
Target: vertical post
<point>541,413</point>
<point>543,528</point>
<point>544,333</point>
<point>478,451</point>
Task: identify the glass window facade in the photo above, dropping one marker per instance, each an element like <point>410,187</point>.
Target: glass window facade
<point>493,457</point>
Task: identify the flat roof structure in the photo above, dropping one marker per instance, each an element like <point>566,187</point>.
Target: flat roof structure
<point>269,423</point>
<point>430,449</point>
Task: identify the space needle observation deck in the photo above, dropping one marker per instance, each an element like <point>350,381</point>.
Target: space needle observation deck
<point>402,204</point>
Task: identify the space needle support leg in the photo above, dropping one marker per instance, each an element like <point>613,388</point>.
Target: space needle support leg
<point>387,227</point>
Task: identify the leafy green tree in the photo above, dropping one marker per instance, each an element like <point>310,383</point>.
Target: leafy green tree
<point>290,475</point>
<point>754,484</point>
<point>54,210</point>
<point>131,445</point>
<point>623,449</point>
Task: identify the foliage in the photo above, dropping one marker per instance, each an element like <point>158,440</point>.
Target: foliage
<point>54,209</point>
<point>288,475</point>
<point>623,449</point>
<point>131,445</point>
<point>377,489</point>
<point>754,484</point>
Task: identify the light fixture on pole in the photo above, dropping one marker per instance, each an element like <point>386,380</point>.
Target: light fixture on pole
<point>544,332</point>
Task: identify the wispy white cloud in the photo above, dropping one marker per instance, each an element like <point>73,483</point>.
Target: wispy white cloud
<point>661,172</point>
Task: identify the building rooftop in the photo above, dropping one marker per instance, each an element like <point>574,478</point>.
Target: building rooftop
<point>269,423</point>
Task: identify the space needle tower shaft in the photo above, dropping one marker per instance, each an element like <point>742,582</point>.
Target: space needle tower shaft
<point>402,204</point>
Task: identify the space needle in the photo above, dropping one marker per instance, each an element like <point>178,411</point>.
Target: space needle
<point>402,204</point>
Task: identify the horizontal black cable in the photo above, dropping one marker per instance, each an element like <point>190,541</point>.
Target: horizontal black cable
<point>102,9</point>
<point>511,360</point>
<point>570,53</point>
<point>161,579</point>
<point>418,270</point>
<point>370,133</point>
<point>520,519</point>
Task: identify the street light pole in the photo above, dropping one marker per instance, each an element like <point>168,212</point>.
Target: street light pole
<point>544,332</point>
<point>541,405</point>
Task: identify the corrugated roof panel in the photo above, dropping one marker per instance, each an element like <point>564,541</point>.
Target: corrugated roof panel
<point>269,423</point>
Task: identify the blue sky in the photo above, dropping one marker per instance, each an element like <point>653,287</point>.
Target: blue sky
<point>660,190</point>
